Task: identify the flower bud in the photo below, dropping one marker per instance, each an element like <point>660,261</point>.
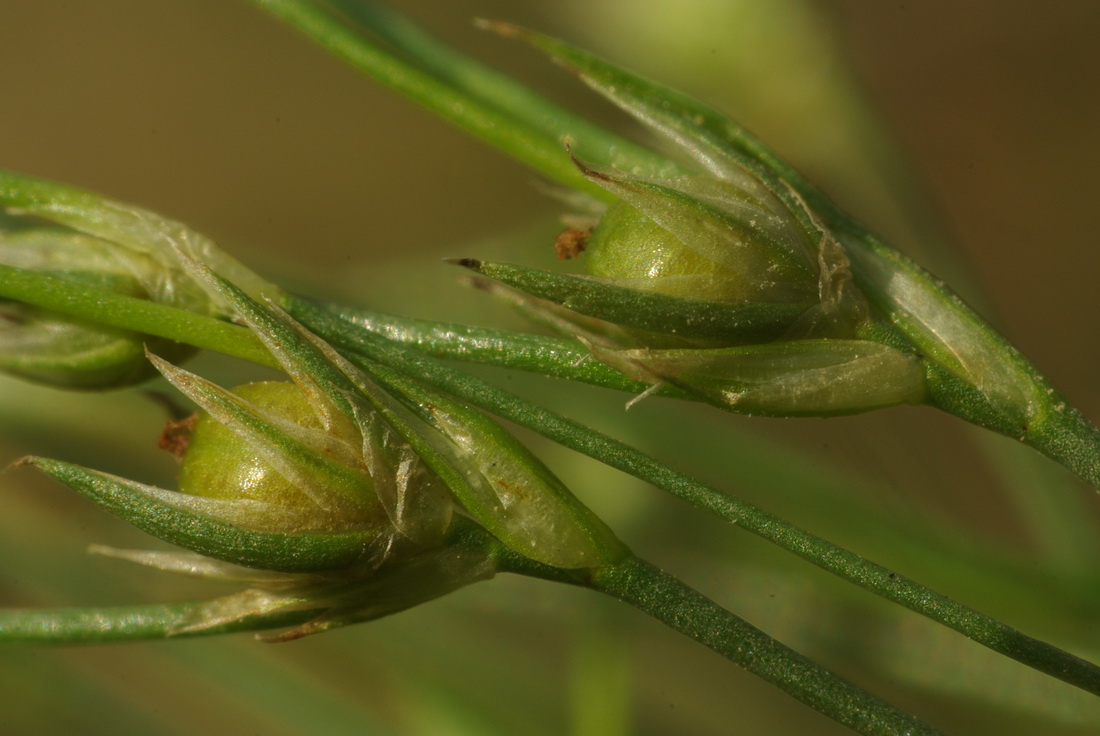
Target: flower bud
<point>263,449</point>
<point>219,462</point>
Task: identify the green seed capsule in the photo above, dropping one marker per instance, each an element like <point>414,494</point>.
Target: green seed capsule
<point>635,251</point>
<point>702,238</point>
<point>281,457</point>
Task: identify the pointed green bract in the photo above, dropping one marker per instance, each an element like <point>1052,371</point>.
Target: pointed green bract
<point>713,141</point>
<point>654,312</point>
<point>173,517</point>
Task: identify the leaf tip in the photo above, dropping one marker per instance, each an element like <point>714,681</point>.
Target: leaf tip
<point>473,264</point>
<point>31,460</point>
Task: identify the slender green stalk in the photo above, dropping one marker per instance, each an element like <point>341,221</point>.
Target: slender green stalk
<point>541,354</point>
<point>478,81</point>
<point>114,624</point>
<point>668,600</point>
<point>515,137</point>
<point>112,309</point>
<point>977,626</point>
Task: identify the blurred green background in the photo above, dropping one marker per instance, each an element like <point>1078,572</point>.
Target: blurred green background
<point>965,132</point>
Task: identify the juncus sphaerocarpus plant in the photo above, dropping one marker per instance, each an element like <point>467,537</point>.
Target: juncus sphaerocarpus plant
<point>371,482</point>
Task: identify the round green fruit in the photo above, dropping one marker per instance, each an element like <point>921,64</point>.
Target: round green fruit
<point>219,463</point>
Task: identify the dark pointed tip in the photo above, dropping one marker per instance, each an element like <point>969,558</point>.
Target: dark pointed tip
<point>471,263</point>
<point>591,173</point>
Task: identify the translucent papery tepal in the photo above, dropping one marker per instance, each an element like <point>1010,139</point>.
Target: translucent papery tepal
<point>499,483</point>
<point>395,587</point>
<point>799,378</point>
<point>331,598</point>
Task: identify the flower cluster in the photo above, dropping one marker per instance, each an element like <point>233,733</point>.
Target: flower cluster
<point>720,281</point>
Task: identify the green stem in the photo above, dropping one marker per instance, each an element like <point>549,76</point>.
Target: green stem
<point>113,624</point>
<point>541,354</point>
<point>683,609</point>
<point>631,580</point>
<point>499,91</point>
<point>977,626</point>
<point>536,148</point>
<point>129,313</point>
<point>1069,438</point>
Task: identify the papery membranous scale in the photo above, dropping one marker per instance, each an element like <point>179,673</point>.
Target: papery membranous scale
<point>951,335</point>
<point>521,501</point>
<point>804,377</point>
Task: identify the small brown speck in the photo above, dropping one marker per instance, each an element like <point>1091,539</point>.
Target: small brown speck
<point>176,436</point>
<point>572,242</point>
